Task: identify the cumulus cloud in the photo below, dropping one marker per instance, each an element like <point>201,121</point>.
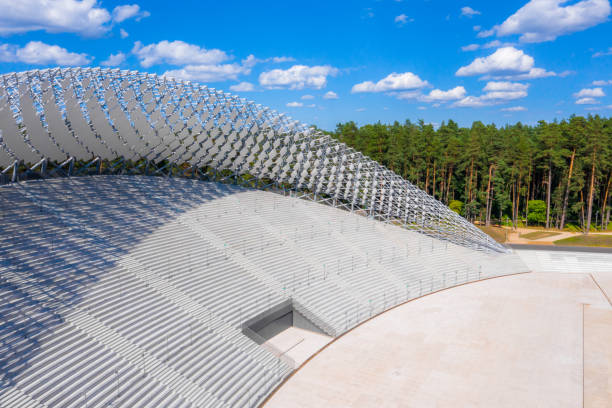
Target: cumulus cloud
<point>209,73</point>
<point>176,53</point>
<point>545,20</point>
<point>505,86</point>
<point>490,44</point>
<point>122,13</point>
<point>298,77</point>
<point>602,83</point>
<point>469,12</point>
<point>486,33</point>
<point>590,92</point>
<point>505,62</point>
<point>470,47</point>
<point>403,19</point>
<point>123,33</point>
<point>514,109</point>
<point>242,87</point>
<point>39,53</point>
<point>471,102</point>
<point>438,95</point>
<point>586,101</point>
<point>295,104</point>
<point>114,60</point>
<point>392,82</point>
<point>603,53</point>
<point>330,95</point>
<point>494,93</point>
<point>306,97</point>
<point>278,60</point>
<point>65,16</point>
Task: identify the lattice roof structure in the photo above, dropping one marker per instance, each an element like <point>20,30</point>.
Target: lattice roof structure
<point>66,121</point>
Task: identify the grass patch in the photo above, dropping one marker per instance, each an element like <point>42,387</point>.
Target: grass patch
<point>586,240</point>
<point>539,234</point>
<point>497,233</point>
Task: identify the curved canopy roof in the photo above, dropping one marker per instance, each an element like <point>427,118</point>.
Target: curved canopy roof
<point>61,114</point>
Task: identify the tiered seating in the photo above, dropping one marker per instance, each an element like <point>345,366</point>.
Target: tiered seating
<point>132,290</point>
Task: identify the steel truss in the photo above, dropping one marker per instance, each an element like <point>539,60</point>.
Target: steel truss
<point>79,121</point>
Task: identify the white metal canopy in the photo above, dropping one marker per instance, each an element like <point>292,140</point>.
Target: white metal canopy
<point>65,115</point>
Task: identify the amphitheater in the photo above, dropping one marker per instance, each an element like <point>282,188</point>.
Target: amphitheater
<point>168,244</point>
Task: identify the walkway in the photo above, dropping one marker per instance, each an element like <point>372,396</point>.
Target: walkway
<point>531,340</point>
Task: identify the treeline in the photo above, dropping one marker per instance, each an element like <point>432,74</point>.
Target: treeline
<point>491,174</point>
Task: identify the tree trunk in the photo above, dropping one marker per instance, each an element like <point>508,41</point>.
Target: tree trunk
<point>433,184</point>
<point>450,176</point>
<point>470,185</point>
<point>591,190</point>
<point>548,194</point>
<point>427,179</point>
<point>488,206</point>
<point>605,201</point>
<point>567,190</point>
<point>491,200</point>
<point>581,210</point>
<point>518,198</point>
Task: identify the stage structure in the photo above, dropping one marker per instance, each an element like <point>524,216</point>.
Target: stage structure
<point>77,121</point>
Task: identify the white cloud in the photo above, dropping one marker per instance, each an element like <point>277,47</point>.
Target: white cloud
<point>392,82</point>
<point>278,60</point>
<point>422,108</point>
<point>590,92</point>
<point>209,73</point>
<point>506,63</point>
<point>312,105</point>
<point>490,44</point>
<point>495,93</point>
<point>123,33</point>
<point>476,28</point>
<point>176,53</point>
<point>471,102</point>
<point>295,104</point>
<point>486,33</point>
<point>298,77</point>
<point>545,20</point>
<point>603,53</point>
<point>242,87</point>
<point>586,101</point>
<point>535,73</point>
<point>602,83</point>
<point>330,95</point>
<point>403,19</point>
<point>457,92</point>
<point>503,60</point>
<point>39,53</point>
<point>122,13</point>
<point>114,60</point>
<point>470,47</point>
<point>306,97</point>
<point>505,86</point>
<point>360,110</point>
<point>469,12</point>
<point>514,109</point>
<point>408,94</point>
<point>67,16</point>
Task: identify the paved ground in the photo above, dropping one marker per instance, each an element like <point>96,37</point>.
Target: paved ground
<point>532,340</point>
<point>298,344</point>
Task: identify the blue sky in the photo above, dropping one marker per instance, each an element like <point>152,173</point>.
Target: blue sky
<point>325,62</point>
